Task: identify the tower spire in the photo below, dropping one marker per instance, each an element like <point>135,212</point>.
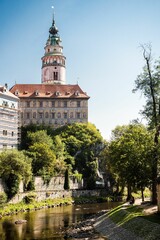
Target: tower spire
<point>53,14</point>
<point>53,61</point>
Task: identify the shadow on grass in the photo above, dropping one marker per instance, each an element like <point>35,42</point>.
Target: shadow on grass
<point>155,218</point>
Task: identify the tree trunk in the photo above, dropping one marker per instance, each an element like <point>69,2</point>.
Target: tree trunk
<point>155,157</point>
<point>142,194</point>
<point>128,192</point>
<point>154,178</point>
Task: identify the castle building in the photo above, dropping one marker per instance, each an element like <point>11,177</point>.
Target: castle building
<point>53,102</point>
<point>8,119</point>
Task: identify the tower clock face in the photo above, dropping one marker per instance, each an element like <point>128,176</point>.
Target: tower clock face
<point>46,74</point>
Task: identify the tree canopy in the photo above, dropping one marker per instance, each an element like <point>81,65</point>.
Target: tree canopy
<point>148,82</point>
<point>14,166</point>
<point>130,154</point>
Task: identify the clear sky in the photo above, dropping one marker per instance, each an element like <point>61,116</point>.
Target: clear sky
<point>101,41</point>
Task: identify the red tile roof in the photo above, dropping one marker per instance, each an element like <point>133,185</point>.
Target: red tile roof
<point>48,91</point>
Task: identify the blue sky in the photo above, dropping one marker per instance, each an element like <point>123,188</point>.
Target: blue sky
<point>101,41</point>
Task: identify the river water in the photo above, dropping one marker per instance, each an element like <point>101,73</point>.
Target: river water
<point>47,223</point>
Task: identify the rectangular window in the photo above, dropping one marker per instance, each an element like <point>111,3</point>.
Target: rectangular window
<point>41,115</point>
<point>78,104</point>
<point>5,132</point>
<point>34,103</point>
<point>46,115</point>
<point>59,103</point>
<point>28,115</point>
<point>71,115</point>
<point>65,115</point>
<point>41,104</point>
<point>53,103</point>
<point>34,115</point>
<point>5,104</point>
<point>59,115</point>
<point>53,115</point>
<point>55,75</point>
<point>65,103</point>
<point>27,104</point>
<point>78,115</point>
<point>12,106</point>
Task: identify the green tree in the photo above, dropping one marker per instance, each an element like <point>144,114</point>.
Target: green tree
<point>44,160</point>
<point>40,136</point>
<point>148,82</point>
<point>25,139</point>
<point>14,167</point>
<point>47,154</point>
<point>83,143</point>
<point>130,154</point>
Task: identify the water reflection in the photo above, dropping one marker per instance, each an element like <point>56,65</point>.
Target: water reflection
<point>47,223</point>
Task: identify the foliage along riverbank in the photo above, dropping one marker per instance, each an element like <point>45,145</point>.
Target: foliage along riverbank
<point>129,222</point>
<point>10,209</point>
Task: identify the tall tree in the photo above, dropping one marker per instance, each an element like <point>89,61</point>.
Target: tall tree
<point>130,152</point>
<point>148,82</point>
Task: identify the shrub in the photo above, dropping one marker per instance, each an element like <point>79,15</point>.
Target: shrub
<point>30,198</point>
<point>12,183</point>
<point>30,186</point>
<point>3,198</point>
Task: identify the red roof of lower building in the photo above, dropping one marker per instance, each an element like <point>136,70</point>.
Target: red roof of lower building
<point>48,91</point>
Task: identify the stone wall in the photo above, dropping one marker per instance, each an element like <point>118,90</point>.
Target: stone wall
<point>55,189</point>
<point>56,183</point>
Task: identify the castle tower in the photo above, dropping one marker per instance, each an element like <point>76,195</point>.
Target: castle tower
<point>53,61</point>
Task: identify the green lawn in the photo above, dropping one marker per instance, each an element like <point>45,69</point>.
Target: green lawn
<point>133,219</point>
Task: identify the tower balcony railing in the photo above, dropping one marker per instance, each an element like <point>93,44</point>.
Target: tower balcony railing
<point>53,64</point>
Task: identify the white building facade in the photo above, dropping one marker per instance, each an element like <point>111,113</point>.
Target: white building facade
<point>9,123</point>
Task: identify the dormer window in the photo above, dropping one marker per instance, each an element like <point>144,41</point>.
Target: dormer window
<point>57,93</point>
<point>36,93</point>
<point>77,93</point>
<point>16,93</point>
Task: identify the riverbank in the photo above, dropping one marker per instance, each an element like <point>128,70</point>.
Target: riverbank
<point>125,222</point>
<point>138,222</point>
<point>11,209</point>
<point>84,229</point>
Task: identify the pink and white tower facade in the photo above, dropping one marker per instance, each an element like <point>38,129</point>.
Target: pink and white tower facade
<point>53,61</point>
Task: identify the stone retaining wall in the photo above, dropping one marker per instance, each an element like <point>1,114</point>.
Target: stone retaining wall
<point>54,189</point>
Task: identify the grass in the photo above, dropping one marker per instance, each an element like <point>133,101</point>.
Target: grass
<point>119,215</point>
<point>8,209</point>
<point>133,219</point>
